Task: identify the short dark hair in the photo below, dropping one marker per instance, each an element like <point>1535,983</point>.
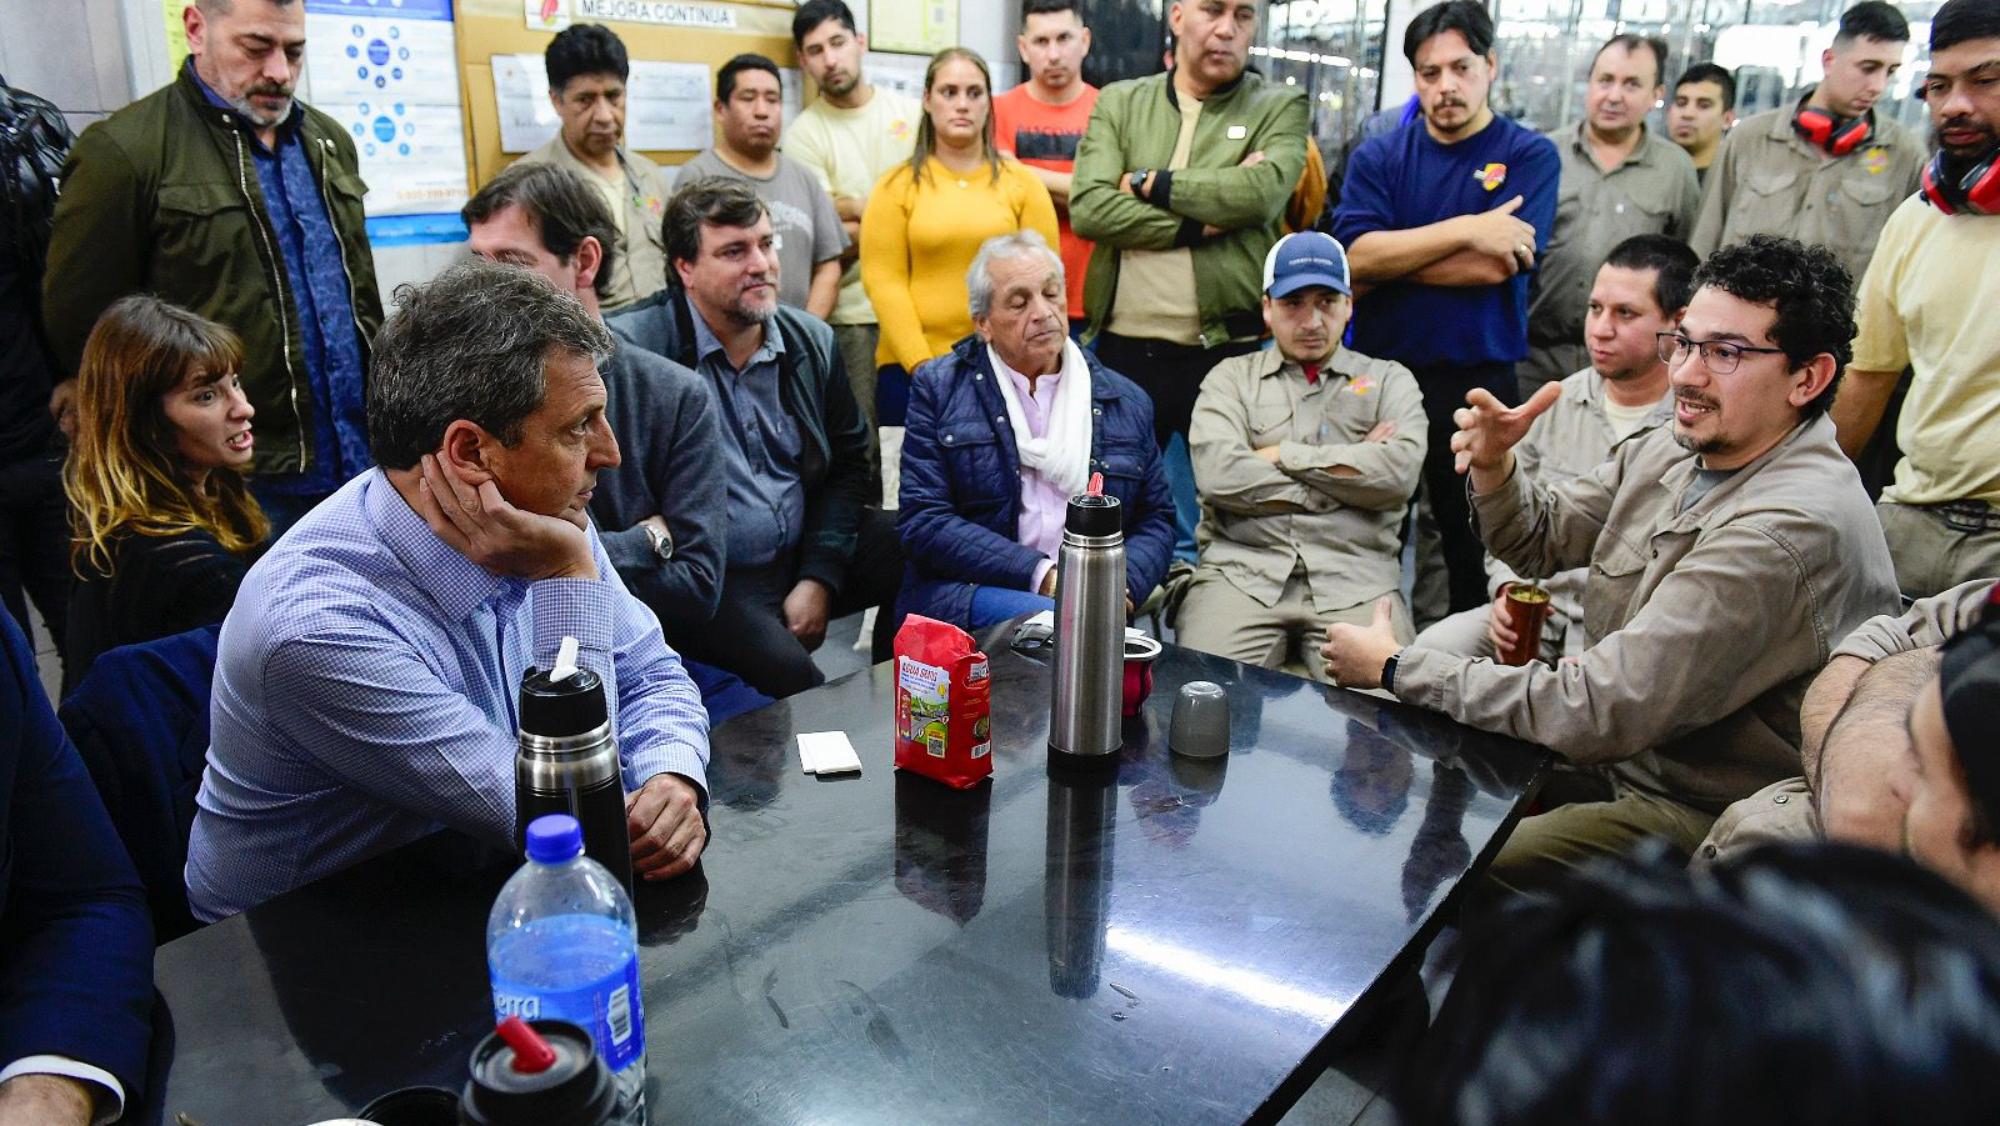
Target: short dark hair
<point>1818,983</point>
<point>1873,19</point>
<point>563,208</point>
<point>585,48</point>
<point>725,78</point>
<point>471,344</point>
<point>1049,8</point>
<point>712,201</point>
<point>1959,20</point>
<point>1467,17</point>
<point>1670,259</point>
<point>1710,72</point>
<point>1634,44</point>
<point>1811,291</point>
<point>813,13</point>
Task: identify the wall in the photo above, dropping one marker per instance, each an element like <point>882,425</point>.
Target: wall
<point>71,52</point>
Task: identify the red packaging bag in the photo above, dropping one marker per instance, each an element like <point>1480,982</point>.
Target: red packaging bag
<point>944,721</point>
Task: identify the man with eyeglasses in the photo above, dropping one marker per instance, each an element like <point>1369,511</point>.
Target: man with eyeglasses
<point>1718,584</point>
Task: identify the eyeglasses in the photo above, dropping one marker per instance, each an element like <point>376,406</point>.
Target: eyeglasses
<point>1719,356</point>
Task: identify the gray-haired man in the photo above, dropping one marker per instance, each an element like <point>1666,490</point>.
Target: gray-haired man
<point>363,690</point>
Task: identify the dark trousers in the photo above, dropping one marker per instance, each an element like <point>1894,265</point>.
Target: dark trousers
<point>748,637</point>
<point>34,542</point>
<point>1170,373</point>
<point>1444,392</point>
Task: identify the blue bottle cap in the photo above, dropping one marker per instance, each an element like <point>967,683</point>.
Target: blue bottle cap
<point>554,838</point>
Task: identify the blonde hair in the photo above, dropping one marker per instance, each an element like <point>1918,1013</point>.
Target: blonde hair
<point>926,145</point>
<point>124,473</point>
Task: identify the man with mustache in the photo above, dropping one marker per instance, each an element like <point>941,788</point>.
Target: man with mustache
<point>1828,170</point>
<point>1445,219</point>
<point>749,108</point>
<point>1307,454</point>
<point>1929,301</point>
<point>851,134</point>
<point>588,69</point>
<point>803,546</point>
<point>1619,179</point>
<point>225,195</point>
<point>1718,583</point>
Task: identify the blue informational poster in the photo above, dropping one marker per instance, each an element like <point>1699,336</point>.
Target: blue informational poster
<point>387,70</point>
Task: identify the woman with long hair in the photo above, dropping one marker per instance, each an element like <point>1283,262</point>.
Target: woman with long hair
<point>164,523</point>
<point>927,219</point>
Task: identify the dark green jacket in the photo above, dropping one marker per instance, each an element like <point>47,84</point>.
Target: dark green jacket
<point>163,198</point>
<point>1135,125</point>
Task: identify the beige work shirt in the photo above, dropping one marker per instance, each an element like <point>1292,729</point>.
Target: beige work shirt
<point>1569,440</point>
<point>1260,520</point>
<point>1768,180</point>
<point>1654,191</point>
<point>1704,627</point>
<point>639,265</point>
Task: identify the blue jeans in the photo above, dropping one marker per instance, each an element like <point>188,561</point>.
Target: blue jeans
<point>991,604</point>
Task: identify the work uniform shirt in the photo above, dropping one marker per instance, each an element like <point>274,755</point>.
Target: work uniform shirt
<point>639,204</point>
<point>1769,180</point>
<point>1259,520</point>
<point>1569,440</point>
<point>1653,191</point>
<point>1703,625</point>
<point>1931,301</point>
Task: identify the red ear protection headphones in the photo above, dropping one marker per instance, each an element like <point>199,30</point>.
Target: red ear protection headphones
<point>1838,136</point>
<point>1975,192</point>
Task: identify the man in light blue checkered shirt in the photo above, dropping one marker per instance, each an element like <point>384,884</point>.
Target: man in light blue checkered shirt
<point>365,691</point>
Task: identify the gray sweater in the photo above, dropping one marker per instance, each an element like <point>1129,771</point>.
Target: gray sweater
<point>665,420</point>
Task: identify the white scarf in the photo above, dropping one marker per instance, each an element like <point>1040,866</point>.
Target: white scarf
<point>1062,456</point>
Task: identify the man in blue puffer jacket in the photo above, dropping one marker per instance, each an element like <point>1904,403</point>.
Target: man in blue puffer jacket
<point>1001,432</point>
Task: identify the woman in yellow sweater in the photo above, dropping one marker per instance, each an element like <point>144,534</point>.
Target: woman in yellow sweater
<point>927,219</point>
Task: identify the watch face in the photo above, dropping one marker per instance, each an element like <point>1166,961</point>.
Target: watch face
<point>663,542</point>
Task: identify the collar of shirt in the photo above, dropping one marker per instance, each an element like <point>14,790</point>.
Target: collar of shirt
<point>1642,153</point>
<point>707,347</point>
<point>1272,362</point>
<point>1593,396</point>
<point>457,584</point>
<point>1037,402</point>
<point>287,129</point>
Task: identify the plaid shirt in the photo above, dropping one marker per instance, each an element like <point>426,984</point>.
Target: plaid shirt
<point>365,693</point>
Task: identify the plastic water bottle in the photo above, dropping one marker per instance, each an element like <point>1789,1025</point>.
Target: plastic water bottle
<point>561,944</point>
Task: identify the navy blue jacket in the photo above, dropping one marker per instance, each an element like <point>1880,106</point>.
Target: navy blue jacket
<point>960,507</point>
<point>76,948</point>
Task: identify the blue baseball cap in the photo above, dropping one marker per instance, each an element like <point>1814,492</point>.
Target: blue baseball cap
<point>1303,259</point>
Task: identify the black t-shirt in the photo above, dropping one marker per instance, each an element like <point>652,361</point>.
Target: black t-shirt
<point>160,586</point>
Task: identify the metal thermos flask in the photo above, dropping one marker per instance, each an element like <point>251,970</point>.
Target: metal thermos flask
<point>568,763</point>
<point>1090,634</point>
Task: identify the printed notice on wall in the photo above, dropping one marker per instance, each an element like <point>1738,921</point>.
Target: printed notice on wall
<point>667,105</point>
<point>387,70</point>
<point>554,15</point>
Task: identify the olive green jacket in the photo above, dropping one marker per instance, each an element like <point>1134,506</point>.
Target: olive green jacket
<point>163,198</point>
<point>1135,125</point>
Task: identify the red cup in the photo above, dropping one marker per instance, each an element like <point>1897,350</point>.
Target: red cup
<point>1527,609</point>
<point>1140,653</point>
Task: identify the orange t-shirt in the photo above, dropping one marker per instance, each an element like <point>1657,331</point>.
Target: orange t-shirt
<point>1046,136</point>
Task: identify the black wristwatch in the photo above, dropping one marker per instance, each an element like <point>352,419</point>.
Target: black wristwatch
<point>1389,672</point>
<point>1139,179</point>
<point>663,543</point>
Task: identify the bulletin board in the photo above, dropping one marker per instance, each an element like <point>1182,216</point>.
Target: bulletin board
<point>502,27</point>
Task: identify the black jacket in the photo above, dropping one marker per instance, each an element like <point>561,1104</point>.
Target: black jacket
<point>813,386</point>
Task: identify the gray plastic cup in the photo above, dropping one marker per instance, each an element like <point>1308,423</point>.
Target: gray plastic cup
<point>1200,726</point>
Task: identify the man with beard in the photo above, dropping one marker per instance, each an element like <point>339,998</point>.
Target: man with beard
<point>1928,302</point>
<point>225,195</point>
<point>803,548</point>
<point>1719,582</point>
<point>1444,219</point>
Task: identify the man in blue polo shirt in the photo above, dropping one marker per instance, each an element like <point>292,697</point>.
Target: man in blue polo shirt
<point>1443,222</point>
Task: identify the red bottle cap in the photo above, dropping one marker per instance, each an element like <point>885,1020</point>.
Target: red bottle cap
<point>532,1054</point>
<point>1096,488</point>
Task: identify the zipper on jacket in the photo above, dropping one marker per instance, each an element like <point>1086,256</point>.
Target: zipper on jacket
<point>278,287</point>
<point>353,299</point>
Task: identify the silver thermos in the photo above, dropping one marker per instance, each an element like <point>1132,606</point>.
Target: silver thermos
<point>1090,634</point>
<point>568,763</point>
